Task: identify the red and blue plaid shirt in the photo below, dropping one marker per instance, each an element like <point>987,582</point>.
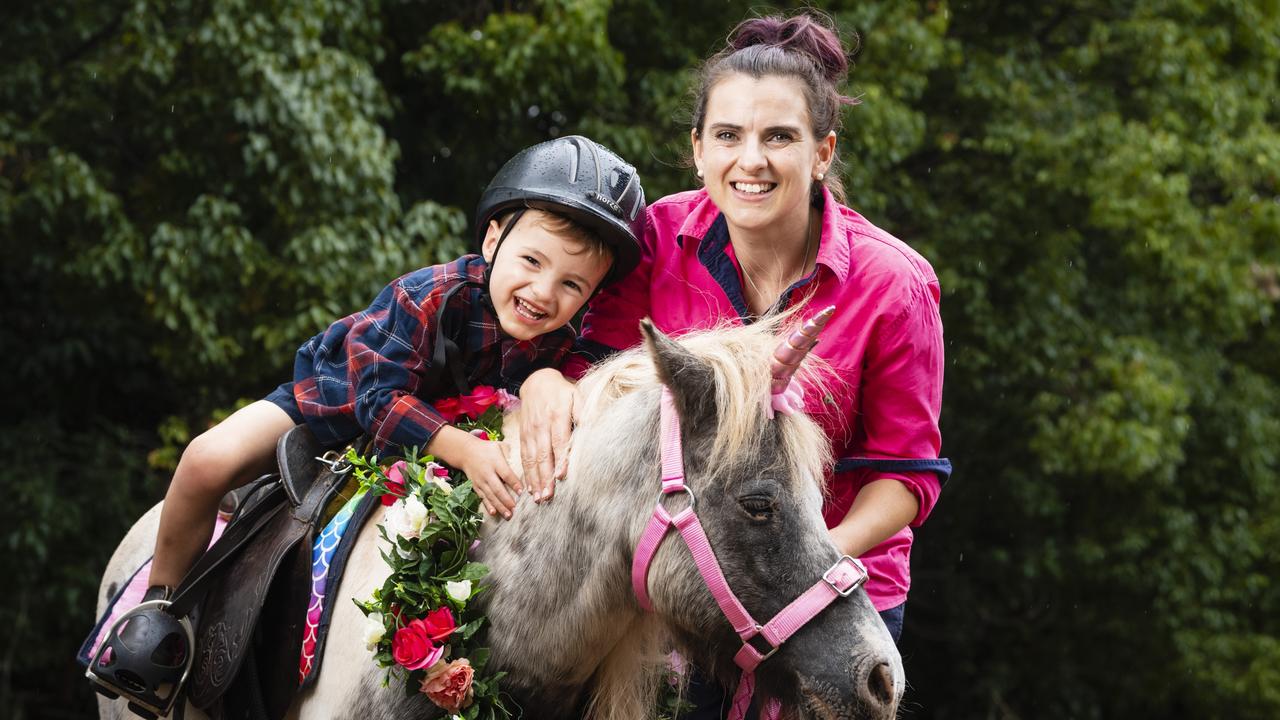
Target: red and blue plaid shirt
<point>373,372</point>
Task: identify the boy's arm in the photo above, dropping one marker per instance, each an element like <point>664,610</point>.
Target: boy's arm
<point>389,352</point>
<point>388,359</point>
<point>483,462</point>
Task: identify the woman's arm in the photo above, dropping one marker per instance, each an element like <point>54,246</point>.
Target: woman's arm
<point>901,400</point>
<point>881,508</point>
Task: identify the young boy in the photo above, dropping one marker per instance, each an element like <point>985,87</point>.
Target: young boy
<point>559,221</point>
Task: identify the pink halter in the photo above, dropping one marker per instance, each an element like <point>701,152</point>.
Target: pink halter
<point>840,580</point>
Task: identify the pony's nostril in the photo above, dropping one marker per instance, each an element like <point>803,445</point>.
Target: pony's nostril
<point>880,683</point>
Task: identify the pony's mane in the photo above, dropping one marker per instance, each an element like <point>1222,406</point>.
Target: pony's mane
<point>738,356</point>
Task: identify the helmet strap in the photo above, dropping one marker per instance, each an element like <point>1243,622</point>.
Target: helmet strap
<point>488,266</point>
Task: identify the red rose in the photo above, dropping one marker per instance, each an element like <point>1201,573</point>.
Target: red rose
<point>439,624</point>
<point>449,684</point>
<point>413,648</point>
<point>449,409</point>
<point>395,484</point>
<point>479,400</point>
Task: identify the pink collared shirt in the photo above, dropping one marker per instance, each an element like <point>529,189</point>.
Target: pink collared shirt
<point>884,343</point>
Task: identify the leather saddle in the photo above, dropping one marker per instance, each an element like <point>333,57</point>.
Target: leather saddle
<point>251,589</point>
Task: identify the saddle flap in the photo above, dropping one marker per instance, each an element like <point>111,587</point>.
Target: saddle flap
<point>296,453</point>
<point>270,574</point>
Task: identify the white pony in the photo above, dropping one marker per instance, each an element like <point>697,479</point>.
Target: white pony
<point>564,621</point>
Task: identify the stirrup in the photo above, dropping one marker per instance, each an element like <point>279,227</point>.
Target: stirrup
<point>145,658</point>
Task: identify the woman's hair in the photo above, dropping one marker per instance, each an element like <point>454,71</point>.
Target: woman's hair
<point>805,46</point>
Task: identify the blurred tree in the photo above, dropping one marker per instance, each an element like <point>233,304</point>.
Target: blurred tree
<point>188,190</point>
<point>1098,185</point>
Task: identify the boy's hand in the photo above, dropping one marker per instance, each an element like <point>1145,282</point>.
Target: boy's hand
<point>486,465</point>
<point>547,408</point>
<point>484,462</point>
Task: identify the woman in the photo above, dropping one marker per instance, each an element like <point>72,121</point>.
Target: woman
<point>768,230</point>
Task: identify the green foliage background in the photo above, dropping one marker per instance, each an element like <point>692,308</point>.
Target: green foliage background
<point>190,189</point>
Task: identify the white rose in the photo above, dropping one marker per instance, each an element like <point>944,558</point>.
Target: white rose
<point>459,591</point>
<point>393,520</point>
<point>406,518</point>
<point>373,631</point>
<point>441,483</point>
<point>415,514</point>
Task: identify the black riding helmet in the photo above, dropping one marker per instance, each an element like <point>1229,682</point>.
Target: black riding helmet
<point>580,179</point>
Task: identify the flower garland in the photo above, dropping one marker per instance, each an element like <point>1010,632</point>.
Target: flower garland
<point>422,624</point>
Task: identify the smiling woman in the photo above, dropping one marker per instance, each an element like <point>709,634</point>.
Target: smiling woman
<point>758,162</point>
<point>769,233</point>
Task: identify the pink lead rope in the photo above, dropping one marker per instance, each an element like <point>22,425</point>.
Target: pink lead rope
<point>840,580</point>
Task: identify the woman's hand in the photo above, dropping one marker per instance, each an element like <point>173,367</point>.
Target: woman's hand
<point>484,463</point>
<point>547,409</point>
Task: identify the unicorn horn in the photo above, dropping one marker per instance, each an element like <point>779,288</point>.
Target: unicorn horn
<point>794,349</point>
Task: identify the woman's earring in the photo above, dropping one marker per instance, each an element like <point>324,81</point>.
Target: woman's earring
<point>699,172</point>
<point>820,176</point>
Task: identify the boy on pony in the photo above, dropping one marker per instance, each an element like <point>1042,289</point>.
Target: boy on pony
<point>557,223</point>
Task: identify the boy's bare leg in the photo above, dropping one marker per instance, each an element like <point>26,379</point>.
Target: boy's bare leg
<point>227,455</point>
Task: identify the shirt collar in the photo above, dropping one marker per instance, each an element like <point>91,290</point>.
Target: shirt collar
<point>833,248</point>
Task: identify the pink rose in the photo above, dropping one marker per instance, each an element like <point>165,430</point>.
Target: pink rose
<point>413,648</point>
<point>479,400</point>
<point>437,469</point>
<point>395,484</point>
<point>449,409</point>
<point>439,624</point>
<point>480,433</point>
<point>448,684</point>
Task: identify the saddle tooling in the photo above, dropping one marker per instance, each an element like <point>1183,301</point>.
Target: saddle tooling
<point>249,594</point>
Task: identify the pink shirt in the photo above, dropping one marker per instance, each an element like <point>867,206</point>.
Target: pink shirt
<point>884,343</point>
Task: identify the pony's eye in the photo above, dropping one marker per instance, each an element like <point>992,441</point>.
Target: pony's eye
<point>759,507</point>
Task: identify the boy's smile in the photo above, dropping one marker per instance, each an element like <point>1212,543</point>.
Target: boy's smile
<point>540,278</point>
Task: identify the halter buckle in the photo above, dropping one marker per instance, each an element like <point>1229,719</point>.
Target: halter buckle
<point>858,582</point>
<point>758,634</point>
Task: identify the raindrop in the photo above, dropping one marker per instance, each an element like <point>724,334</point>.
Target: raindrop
<point>476,35</point>
<point>445,152</point>
<point>534,111</point>
<point>170,109</point>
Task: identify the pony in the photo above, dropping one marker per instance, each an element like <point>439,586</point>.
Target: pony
<point>564,622</point>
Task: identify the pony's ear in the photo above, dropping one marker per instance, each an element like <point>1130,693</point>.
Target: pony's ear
<point>690,379</point>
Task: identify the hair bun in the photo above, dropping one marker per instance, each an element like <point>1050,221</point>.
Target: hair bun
<point>810,34</point>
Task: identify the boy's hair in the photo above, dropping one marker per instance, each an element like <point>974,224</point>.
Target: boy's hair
<point>566,227</point>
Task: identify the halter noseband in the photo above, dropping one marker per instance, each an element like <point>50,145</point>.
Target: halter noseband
<point>840,580</point>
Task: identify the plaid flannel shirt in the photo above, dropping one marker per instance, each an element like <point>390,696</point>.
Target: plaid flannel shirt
<point>372,372</point>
